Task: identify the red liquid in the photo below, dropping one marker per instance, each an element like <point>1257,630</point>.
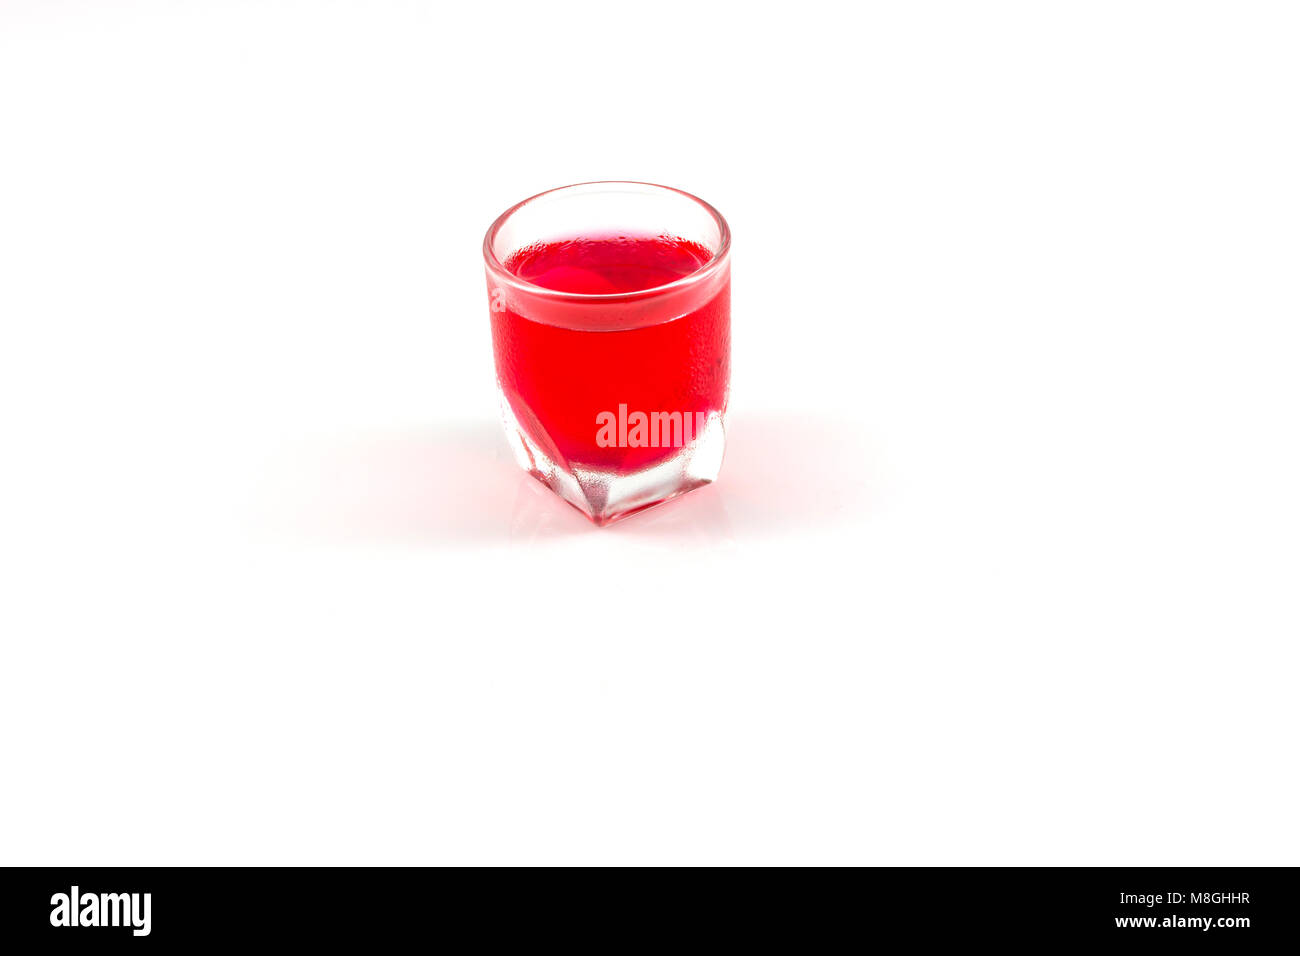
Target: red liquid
<point>558,380</point>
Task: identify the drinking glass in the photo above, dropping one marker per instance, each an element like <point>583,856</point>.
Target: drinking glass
<point>611,329</point>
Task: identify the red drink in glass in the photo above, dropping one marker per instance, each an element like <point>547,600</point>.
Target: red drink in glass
<point>611,332</point>
<point>566,377</point>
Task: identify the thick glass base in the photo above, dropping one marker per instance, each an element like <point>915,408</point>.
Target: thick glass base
<point>604,495</point>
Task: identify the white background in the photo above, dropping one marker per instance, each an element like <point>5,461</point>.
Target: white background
<point>1003,563</point>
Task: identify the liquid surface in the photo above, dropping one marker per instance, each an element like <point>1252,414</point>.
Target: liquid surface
<point>607,266</point>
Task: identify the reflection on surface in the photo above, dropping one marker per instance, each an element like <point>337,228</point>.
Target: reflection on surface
<point>455,485</point>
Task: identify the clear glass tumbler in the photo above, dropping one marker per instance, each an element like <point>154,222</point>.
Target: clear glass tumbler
<point>611,328</point>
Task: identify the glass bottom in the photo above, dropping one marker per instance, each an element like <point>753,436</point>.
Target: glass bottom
<point>605,495</point>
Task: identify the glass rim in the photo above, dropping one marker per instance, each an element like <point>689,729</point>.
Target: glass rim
<point>710,268</point>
